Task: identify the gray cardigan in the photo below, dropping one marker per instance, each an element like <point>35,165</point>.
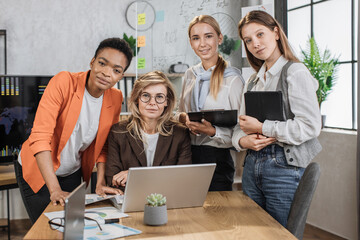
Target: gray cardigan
<point>296,155</point>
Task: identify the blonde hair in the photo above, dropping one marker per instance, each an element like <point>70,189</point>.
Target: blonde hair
<point>218,73</point>
<point>268,21</point>
<point>136,122</point>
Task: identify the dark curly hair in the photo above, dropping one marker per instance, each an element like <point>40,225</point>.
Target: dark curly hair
<point>117,44</point>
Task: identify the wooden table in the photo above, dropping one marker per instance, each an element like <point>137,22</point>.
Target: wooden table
<point>225,215</point>
<point>7,175</point>
<point>7,182</point>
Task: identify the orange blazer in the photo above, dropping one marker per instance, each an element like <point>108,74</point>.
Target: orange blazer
<point>55,120</point>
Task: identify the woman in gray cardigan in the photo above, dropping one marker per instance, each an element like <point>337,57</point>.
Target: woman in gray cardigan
<point>277,150</point>
<point>150,137</point>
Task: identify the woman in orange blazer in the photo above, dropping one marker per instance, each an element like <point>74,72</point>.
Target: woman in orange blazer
<point>70,129</point>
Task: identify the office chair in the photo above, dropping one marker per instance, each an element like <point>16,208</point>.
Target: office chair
<point>302,200</point>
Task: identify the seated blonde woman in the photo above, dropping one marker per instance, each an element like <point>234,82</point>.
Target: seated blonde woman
<point>150,137</point>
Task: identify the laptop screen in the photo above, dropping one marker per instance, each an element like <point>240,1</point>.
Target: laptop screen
<point>182,185</point>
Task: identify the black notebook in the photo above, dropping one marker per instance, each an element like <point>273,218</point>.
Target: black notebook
<point>264,105</point>
<point>220,118</point>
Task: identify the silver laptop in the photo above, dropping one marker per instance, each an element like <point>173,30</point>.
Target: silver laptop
<point>182,185</point>
<point>74,213</point>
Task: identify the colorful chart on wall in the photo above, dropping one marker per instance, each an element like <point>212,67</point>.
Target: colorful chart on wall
<point>140,15</point>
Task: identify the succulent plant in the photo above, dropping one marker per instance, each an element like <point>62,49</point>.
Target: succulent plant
<point>156,200</point>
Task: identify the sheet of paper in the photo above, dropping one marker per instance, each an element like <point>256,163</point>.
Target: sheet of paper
<point>93,198</point>
<point>141,18</point>
<point>100,214</point>
<point>141,63</point>
<point>109,231</point>
<point>160,16</point>
<point>141,41</point>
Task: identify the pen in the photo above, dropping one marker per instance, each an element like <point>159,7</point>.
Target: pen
<point>111,220</point>
<point>257,135</point>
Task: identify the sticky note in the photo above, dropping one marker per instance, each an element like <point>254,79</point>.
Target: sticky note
<point>160,16</point>
<point>141,41</point>
<point>141,63</point>
<point>141,18</point>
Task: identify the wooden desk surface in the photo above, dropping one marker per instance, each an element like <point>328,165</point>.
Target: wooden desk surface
<point>225,215</point>
<point>7,175</point>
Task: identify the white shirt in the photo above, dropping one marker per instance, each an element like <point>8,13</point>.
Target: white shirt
<point>303,104</point>
<point>82,136</point>
<point>228,98</point>
<point>150,144</point>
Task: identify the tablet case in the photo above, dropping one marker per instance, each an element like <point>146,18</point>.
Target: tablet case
<point>220,118</point>
<point>264,105</point>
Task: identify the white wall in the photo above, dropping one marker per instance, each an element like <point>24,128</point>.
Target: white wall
<point>334,206</point>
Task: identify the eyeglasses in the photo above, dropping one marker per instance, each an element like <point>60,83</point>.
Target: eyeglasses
<point>159,98</point>
<point>56,223</point>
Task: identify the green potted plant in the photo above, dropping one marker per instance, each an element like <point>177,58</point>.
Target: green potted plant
<point>323,66</point>
<point>133,45</point>
<point>155,212</point>
<point>132,42</point>
<point>229,45</point>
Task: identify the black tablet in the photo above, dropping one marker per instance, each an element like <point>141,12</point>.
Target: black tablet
<point>264,105</point>
<point>220,118</point>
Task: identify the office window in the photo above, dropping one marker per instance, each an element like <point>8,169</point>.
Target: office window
<point>333,23</point>
<point>334,32</point>
<point>297,3</point>
<point>299,31</point>
<point>338,105</point>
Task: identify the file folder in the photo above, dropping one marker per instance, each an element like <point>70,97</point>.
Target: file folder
<point>264,105</point>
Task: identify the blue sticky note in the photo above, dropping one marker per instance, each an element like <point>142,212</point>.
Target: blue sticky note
<point>159,16</point>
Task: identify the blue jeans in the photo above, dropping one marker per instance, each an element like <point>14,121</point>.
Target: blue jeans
<point>270,181</point>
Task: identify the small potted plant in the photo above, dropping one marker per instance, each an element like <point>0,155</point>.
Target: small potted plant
<point>155,212</point>
<point>229,45</point>
<point>323,66</point>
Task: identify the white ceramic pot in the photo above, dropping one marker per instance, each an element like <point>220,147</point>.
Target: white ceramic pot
<point>155,216</point>
<point>323,119</point>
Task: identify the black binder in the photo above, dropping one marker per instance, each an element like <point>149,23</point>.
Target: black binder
<point>264,105</point>
<point>220,118</point>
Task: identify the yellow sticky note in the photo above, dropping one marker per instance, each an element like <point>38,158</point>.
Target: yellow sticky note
<point>141,41</point>
<point>141,18</point>
<point>141,63</point>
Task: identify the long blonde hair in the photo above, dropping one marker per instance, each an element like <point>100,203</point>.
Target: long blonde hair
<point>166,122</point>
<point>218,73</point>
<point>268,21</point>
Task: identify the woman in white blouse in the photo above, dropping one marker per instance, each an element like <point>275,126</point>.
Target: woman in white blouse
<point>212,84</point>
<point>277,151</point>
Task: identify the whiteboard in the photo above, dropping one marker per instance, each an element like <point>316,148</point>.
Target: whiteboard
<point>169,35</point>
